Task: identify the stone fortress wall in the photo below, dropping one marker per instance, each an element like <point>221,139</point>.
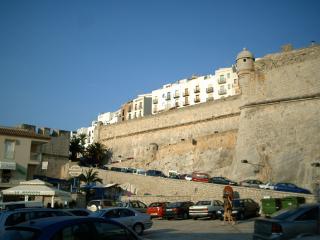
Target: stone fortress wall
<point>274,124</point>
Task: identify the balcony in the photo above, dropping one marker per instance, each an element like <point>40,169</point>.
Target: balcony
<point>35,157</point>
<point>177,95</point>
<point>209,90</point>
<point>197,89</point>
<point>209,99</point>
<point>197,100</point>
<point>185,93</point>
<point>222,91</point>
<point>185,103</point>
<point>8,165</point>
<point>222,80</point>
<point>177,104</point>
<point>155,101</point>
<point>168,98</point>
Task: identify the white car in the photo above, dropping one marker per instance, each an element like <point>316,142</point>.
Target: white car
<point>188,177</point>
<point>129,217</point>
<point>268,185</point>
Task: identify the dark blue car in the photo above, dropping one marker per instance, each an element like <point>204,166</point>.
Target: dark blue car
<point>63,228</point>
<point>290,187</point>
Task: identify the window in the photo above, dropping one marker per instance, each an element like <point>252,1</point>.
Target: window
<point>235,81</point>
<point>135,107</point>
<point>9,149</point>
<point>107,231</point>
<point>228,75</point>
<point>311,214</point>
<point>126,213</point>
<point>80,231</point>
<point>222,77</point>
<point>112,214</point>
<point>140,105</point>
<point>229,86</point>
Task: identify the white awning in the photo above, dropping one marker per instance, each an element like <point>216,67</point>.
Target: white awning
<point>35,188</point>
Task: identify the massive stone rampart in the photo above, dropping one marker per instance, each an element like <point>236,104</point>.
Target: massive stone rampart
<point>274,125</point>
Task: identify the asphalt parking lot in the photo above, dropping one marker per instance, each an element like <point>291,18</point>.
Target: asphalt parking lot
<point>199,229</point>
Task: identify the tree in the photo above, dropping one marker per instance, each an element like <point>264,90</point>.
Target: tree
<point>97,154</point>
<point>90,177</point>
<point>76,147</point>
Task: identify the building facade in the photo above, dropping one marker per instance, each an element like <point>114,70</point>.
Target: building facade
<point>195,90</point>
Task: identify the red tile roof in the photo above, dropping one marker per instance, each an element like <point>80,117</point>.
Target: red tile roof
<point>22,133</point>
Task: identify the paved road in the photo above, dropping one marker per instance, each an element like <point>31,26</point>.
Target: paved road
<point>199,230</point>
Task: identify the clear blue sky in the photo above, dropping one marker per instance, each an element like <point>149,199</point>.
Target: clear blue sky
<point>63,62</point>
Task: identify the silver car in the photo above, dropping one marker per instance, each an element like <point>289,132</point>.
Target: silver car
<point>127,216</point>
<point>290,223</point>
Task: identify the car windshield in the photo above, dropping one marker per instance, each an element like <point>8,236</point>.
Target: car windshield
<point>175,204</point>
<point>203,203</point>
<point>155,204</point>
<point>21,234</point>
<point>123,204</point>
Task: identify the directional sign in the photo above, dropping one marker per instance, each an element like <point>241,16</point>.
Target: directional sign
<point>75,171</point>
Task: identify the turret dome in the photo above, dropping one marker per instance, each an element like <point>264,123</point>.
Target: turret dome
<point>245,54</point>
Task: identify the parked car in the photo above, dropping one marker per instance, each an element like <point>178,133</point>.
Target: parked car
<point>70,227</point>
<point>157,209</point>
<point>174,174</point>
<point>268,185</point>
<point>155,173</point>
<point>116,169</point>
<point>98,204</point>
<point>200,177</point>
<point>19,204</point>
<point>242,209</point>
<point>251,183</point>
<point>178,210</point>
<point>13,217</point>
<point>129,217</point>
<point>222,180</point>
<point>78,211</point>
<point>135,204</point>
<point>140,171</point>
<point>289,223</point>
<point>290,187</point>
<point>205,209</point>
<point>187,177</point>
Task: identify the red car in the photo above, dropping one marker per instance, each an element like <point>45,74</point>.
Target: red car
<point>200,177</point>
<point>157,209</point>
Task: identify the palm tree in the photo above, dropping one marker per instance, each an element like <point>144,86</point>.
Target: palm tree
<point>90,177</point>
<point>98,154</point>
<point>76,147</point>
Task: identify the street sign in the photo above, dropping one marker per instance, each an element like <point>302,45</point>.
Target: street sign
<point>75,171</point>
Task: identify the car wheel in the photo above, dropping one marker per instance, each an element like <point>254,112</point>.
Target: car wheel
<point>185,216</point>
<point>138,228</point>
<point>213,216</point>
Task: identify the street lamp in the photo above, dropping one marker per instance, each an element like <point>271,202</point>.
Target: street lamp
<point>253,164</point>
<point>317,180</point>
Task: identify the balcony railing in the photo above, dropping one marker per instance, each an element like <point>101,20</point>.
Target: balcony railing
<point>209,90</point>
<point>185,103</point>
<point>177,104</point>
<point>34,156</point>
<point>197,90</point>
<point>155,101</point>
<point>8,165</point>
<point>185,93</point>
<point>222,80</point>
<point>168,98</point>
<point>177,95</point>
<point>196,100</point>
<point>222,91</point>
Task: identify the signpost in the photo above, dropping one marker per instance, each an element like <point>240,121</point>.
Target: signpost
<point>75,171</point>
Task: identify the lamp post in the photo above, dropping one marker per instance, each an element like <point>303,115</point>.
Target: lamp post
<point>317,180</point>
<point>253,164</point>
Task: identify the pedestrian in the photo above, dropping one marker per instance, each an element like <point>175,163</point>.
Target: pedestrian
<point>227,204</point>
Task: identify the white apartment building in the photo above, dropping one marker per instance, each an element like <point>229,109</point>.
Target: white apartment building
<point>141,106</point>
<point>195,90</point>
<point>109,117</point>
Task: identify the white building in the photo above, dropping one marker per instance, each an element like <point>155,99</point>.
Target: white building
<point>197,89</point>
<point>141,106</point>
<point>109,117</point>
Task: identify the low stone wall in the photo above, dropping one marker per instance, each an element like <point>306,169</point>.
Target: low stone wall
<point>150,189</point>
